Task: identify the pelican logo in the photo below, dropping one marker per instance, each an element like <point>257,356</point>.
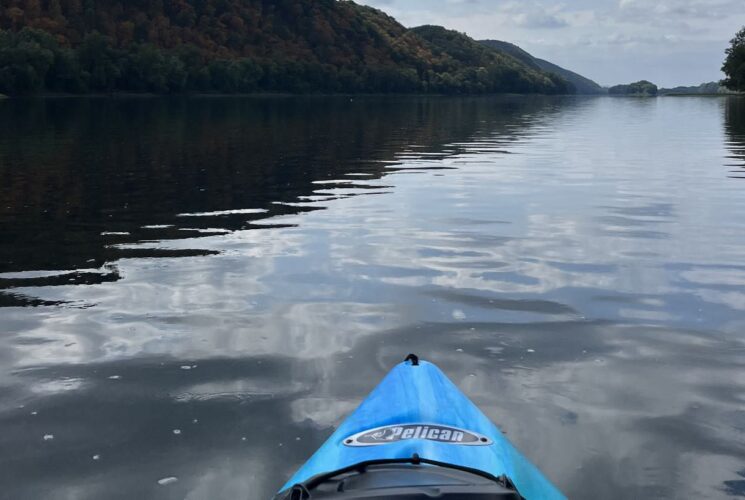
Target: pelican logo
<point>405,432</point>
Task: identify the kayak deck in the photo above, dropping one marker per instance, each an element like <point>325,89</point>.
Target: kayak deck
<point>416,411</point>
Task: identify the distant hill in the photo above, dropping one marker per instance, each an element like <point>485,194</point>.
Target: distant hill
<point>641,88</point>
<point>242,46</point>
<point>472,67</point>
<point>710,88</point>
<point>581,84</point>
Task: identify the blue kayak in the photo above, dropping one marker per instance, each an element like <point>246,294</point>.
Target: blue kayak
<point>418,436</point>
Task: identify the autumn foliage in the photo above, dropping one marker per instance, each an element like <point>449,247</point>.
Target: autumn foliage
<point>242,46</point>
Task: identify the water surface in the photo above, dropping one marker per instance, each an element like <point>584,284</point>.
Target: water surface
<point>202,288</point>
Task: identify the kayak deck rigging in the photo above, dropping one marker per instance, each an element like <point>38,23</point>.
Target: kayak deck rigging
<point>404,479</point>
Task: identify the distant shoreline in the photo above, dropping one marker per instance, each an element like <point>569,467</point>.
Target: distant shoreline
<point>147,95</point>
<point>284,95</point>
<point>691,94</point>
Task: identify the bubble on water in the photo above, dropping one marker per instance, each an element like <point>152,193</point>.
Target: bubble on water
<point>297,438</point>
<point>167,480</point>
<point>48,437</point>
<point>531,350</point>
<point>195,421</point>
<point>115,377</point>
<point>96,457</point>
<point>186,367</point>
<point>459,315</point>
<point>34,413</point>
<point>177,431</point>
<point>243,438</point>
<point>459,350</point>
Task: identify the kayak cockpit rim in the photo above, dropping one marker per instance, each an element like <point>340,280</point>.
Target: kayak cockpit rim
<point>303,491</point>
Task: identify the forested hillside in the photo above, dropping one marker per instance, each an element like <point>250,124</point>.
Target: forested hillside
<point>239,46</point>
<point>470,67</point>
<point>581,84</point>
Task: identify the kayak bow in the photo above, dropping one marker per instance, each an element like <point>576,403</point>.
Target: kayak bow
<point>418,436</point>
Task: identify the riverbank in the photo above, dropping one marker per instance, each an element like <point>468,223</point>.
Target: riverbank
<point>147,95</point>
<point>692,94</point>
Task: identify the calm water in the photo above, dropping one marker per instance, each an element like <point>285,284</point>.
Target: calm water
<point>244,271</point>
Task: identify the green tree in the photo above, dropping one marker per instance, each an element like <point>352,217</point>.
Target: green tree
<point>232,76</point>
<point>149,69</point>
<point>734,65</point>
<point>25,59</point>
<point>99,62</point>
<point>65,75</point>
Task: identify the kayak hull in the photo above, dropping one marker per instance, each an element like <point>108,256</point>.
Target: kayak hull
<point>417,411</point>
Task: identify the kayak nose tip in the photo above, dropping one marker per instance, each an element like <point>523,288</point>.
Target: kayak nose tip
<point>413,358</point>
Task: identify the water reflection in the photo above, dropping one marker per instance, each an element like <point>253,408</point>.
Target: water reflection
<point>243,271</point>
<point>734,124</point>
<point>73,197</point>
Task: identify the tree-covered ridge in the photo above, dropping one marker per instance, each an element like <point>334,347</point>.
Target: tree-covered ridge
<point>237,46</point>
<point>641,88</point>
<point>581,84</point>
<point>463,63</point>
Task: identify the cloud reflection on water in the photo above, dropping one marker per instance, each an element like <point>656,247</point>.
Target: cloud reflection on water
<point>590,307</point>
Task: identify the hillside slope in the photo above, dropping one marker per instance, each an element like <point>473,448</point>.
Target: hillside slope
<point>581,84</point>
<point>233,46</point>
<point>471,67</point>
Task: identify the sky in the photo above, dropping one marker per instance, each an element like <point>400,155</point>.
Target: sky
<point>669,42</point>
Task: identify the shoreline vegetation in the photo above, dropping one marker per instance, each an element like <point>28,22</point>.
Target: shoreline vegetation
<point>641,88</point>
<point>351,96</point>
<point>278,95</point>
<point>247,46</point>
<point>645,88</point>
<point>240,47</point>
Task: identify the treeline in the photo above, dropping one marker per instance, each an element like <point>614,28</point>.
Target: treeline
<point>642,88</point>
<point>33,61</point>
<point>709,88</point>
<point>467,66</point>
<point>580,84</point>
<point>170,46</point>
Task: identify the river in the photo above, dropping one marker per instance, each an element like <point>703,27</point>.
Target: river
<point>195,291</point>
